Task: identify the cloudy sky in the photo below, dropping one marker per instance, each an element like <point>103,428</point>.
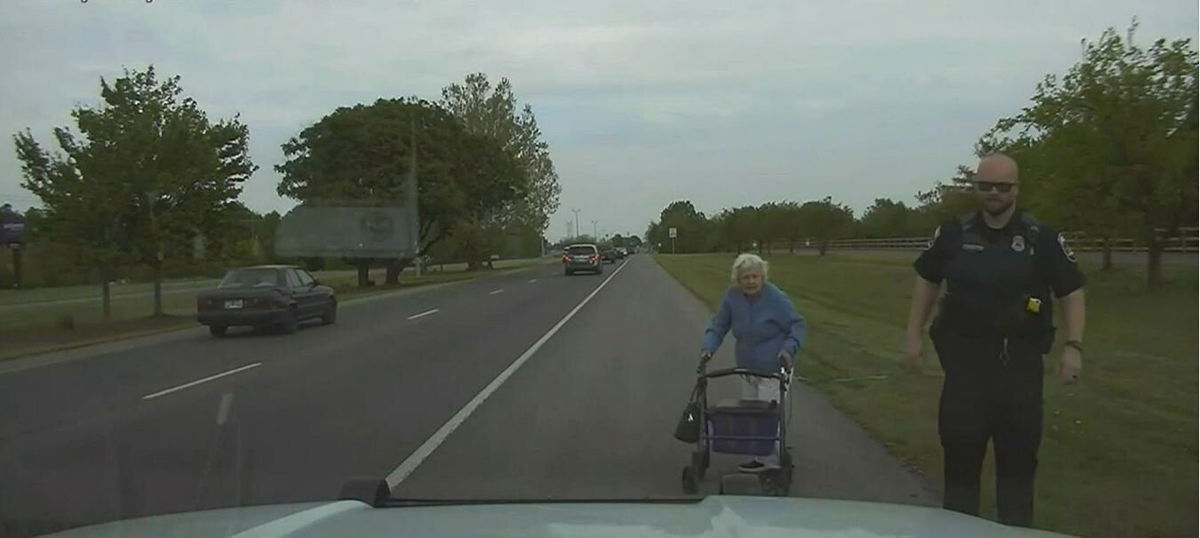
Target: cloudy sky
<point>643,102</point>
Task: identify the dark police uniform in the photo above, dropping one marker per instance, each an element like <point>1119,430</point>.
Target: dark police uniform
<point>993,326</point>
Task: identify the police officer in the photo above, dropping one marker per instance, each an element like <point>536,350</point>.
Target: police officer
<point>1000,266</point>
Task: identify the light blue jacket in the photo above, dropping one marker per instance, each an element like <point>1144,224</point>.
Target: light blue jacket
<point>763,328</point>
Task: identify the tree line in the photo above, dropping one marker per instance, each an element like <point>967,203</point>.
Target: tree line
<point>785,225</point>
<point>1108,149</point>
<point>614,241</point>
<point>145,179</point>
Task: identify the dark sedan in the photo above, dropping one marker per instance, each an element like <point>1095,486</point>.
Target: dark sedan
<point>266,296</point>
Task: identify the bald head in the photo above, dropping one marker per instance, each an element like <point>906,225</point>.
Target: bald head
<point>997,167</point>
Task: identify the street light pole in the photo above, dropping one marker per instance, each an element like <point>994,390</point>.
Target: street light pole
<point>595,237</point>
<point>576,211</point>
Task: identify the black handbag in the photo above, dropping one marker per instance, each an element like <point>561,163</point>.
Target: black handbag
<point>688,428</point>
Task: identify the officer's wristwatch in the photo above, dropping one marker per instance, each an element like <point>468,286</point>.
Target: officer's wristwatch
<point>1075,344</point>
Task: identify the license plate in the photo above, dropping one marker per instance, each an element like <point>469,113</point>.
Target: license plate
<point>233,303</point>
<point>580,259</point>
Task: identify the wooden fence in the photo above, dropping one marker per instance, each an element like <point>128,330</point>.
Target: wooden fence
<point>1188,240</point>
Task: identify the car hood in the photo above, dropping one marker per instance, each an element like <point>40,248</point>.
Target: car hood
<point>717,516</point>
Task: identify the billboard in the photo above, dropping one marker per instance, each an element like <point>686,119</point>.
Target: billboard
<point>12,226</point>
<point>348,232</point>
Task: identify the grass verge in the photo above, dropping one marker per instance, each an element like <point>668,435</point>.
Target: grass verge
<point>1119,450</point>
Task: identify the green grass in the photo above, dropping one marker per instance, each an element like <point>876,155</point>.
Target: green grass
<point>54,325</point>
<point>1119,450</point>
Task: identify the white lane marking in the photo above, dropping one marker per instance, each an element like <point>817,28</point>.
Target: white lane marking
<point>165,392</point>
<point>223,409</point>
<point>423,314</point>
<point>532,280</point>
<point>410,464</point>
<point>493,292</point>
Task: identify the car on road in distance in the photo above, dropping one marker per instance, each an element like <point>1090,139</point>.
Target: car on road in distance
<point>265,296</point>
<point>621,253</point>
<point>582,257</point>
<point>608,255</point>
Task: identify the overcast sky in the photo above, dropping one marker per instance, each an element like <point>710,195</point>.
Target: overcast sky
<point>642,102</point>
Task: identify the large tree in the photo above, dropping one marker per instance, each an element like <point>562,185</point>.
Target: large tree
<point>492,112</point>
<point>768,224</point>
<point>791,223</point>
<point>363,156</point>
<point>691,226</point>
<point>492,181</point>
<point>888,218</point>
<point>825,220</point>
<point>145,172</point>
<point>736,227</point>
<point>1117,139</point>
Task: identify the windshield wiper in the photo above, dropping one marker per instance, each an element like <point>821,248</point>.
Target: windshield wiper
<point>396,502</point>
<point>376,493</point>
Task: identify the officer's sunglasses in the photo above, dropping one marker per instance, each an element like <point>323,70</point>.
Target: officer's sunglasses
<point>989,186</point>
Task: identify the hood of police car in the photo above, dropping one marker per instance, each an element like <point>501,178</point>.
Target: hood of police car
<point>715,516</point>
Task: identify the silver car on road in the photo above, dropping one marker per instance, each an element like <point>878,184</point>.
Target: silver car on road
<point>581,257</point>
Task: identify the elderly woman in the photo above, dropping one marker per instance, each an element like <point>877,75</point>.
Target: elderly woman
<point>768,332</point>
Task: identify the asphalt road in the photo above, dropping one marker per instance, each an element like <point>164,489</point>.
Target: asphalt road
<point>527,385</point>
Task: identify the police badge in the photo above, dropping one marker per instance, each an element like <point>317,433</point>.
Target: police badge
<point>1018,243</point>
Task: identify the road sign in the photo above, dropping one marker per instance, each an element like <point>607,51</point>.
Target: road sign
<point>672,232</point>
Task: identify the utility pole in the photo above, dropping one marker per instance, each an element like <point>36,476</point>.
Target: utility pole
<point>576,211</point>
<point>411,196</point>
<point>595,236</point>
<point>254,247</point>
<point>150,198</point>
<point>16,257</point>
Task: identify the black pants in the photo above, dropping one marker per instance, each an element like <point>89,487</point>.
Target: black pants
<point>985,398</point>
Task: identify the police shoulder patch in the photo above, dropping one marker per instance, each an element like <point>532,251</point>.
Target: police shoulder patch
<point>1066,249</point>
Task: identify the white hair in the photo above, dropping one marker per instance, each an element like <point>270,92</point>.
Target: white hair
<point>745,262</point>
